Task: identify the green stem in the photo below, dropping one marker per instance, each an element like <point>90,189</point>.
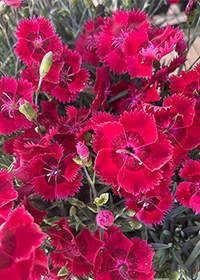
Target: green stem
<point>38,90</point>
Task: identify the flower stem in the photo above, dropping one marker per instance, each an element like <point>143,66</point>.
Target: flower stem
<point>38,90</point>
<point>91,182</point>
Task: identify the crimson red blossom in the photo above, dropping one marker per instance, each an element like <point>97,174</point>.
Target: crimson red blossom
<point>151,207</point>
<point>141,48</point>
<point>36,37</point>
<point>177,120</point>
<point>80,254</point>
<point>72,78</point>
<point>188,192</point>
<point>124,258</point>
<point>87,43</point>
<point>19,238</point>
<point>128,156</point>
<point>188,84</point>
<point>11,93</point>
<point>54,176</point>
<point>113,37</point>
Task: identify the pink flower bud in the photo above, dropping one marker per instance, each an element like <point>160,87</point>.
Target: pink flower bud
<point>105,218</point>
<point>82,150</point>
<point>181,46</point>
<point>191,6</point>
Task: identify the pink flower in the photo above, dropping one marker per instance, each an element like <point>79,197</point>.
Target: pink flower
<point>124,258</point>
<point>36,37</point>
<point>82,150</point>
<point>11,93</point>
<point>128,156</point>
<point>188,193</point>
<point>14,3</point>
<point>104,218</point>
<point>173,1</point>
<point>19,238</point>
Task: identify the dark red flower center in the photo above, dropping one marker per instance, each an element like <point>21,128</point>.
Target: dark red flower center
<point>67,76</point>
<point>37,43</point>
<point>8,106</point>
<point>53,171</point>
<point>149,204</point>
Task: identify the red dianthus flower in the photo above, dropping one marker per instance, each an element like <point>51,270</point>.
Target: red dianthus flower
<point>11,93</point>
<point>54,176</point>
<point>124,258</point>
<point>81,255</point>
<point>19,238</point>
<point>188,193</point>
<point>72,78</point>
<point>36,37</point>
<point>129,156</point>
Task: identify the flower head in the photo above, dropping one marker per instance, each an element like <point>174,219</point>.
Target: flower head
<point>188,192</point>
<point>36,37</point>
<point>54,176</point>
<point>72,78</point>
<point>12,93</point>
<point>80,254</point>
<point>13,3</point>
<point>128,156</point>
<point>19,238</point>
<point>124,258</point>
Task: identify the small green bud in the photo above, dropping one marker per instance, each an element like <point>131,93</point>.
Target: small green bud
<point>27,109</point>
<point>78,161</point>
<point>130,213</point>
<point>74,201</point>
<point>46,64</point>
<point>174,276</point>
<point>72,211</point>
<point>135,224</point>
<point>42,129</point>
<point>102,199</point>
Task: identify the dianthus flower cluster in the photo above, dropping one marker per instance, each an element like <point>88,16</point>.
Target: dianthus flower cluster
<point>136,149</point>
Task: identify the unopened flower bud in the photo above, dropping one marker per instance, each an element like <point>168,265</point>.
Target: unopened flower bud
<point>181,46</point>
<point>27,109</point>
<point>191,11</point>
<point>191,6</point>
<point>104,219</point>
<point>83,152</point>
<point>174,276</point>
<point>42,129</point>
<point>46,64</point>
<point>130,213</point>
<point>135,224</point>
